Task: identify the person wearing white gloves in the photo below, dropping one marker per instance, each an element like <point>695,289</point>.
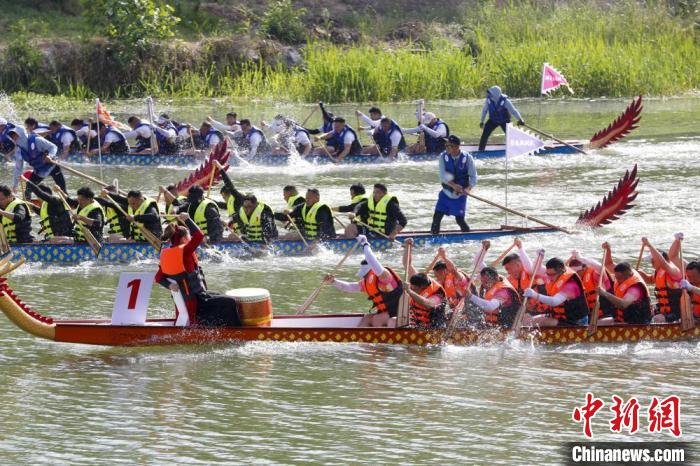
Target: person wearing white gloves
<point>382,285</point>
<point>435,132</point>
<point>499,300</point>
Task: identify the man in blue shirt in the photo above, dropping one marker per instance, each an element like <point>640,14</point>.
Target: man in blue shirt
<point>39,154</point>
<point>458,177</point>
<point>499,109</point>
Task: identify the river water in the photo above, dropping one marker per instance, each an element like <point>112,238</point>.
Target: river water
<point>324,403</point>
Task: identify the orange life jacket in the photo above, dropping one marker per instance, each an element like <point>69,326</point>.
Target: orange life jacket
<point>172,264</point>
<point>695,300</point>
<point>590,285</point>
<point>668,293</point>
<point>506,313</point>
<point>523,283</point>
<point>420,315</point>
<point>621,288</point>
<point>383,301</point>
<point>572,309</point>
<point>453,289</point>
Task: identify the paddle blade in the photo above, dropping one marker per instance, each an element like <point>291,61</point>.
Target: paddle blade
<point>203,174</point>
<point>593,324</point>
<point>687,318</point>
<point>615,203</point>
<point>619,128</point>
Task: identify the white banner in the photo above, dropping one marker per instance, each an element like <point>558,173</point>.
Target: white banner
<point>520,142</point>
<point>133,294</point>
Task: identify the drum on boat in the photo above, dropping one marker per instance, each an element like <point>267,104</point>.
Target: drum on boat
<point>254,306</point>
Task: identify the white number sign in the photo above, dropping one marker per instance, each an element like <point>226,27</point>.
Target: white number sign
<point>133,294</point>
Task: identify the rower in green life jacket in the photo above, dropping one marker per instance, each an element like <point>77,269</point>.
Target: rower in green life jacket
<point>434,131</point>
<point>89,213</point>
<point>293,199</point>
<point>340,142</point>
<point>358,196</point>
<point>252,219</point>
<point>65,139</point>
<point>383,214</point>
<point>500,109</point>
<point>173,200</point>
<point>458,176</point>
<point>39,153</point>
<point>141,209</point>
<point>112,140</point>
<point>15,216</point>
<point>116,222</point>
<point>315,217</point>
<point>204,212</point>
<point>55,220</point>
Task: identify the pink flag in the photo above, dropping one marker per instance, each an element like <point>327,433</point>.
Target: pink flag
<point>552,79</point>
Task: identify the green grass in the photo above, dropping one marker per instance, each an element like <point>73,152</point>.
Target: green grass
<point>620,50</point>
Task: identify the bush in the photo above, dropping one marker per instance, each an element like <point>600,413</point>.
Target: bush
<point>283,22</point>
<point>133,26</point>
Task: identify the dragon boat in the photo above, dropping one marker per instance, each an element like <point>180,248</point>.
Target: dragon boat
<point>136,251</point>
<point>326,328</point>
<point>617,130</point>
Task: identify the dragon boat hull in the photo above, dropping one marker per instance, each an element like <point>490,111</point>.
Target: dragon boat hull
<point>131,251</point>
<point>327,328</point>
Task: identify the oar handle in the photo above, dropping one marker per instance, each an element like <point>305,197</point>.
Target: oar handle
<point>433,262</point>
<point>551,136</point>
<point>296,228</point>
<point>83,175</point>
<point>498,260</point>
<point>303,123</point>
<point>593,319</point>
<point>518,321</point>
<point>521,214</point>
<point>640,257</point>
<point>376,231</point>
<point>687,317</point>
<point>454,318</point>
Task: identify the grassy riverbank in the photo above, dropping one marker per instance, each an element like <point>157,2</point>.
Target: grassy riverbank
<point>619,50</point>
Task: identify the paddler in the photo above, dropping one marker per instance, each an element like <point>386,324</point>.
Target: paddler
<point>388,139</point>
<point>173,200</point>
<point>16,217</point>
<point>340,142</point>
<point>520,268</point>
<point>39,154</point>
<point>435,133</point>
<point>254,219</point>
<point>118,225</point>
<point>589,271</point>
<point>89,213</point>
<point>500,109</point>
<point>232,124</point>
<point>113,141</point>
<point>205,213</point>
<point>209,137</point>
<point>428,300</point>
<point>666,280</point>
<point>33,126</point>
<point>327,124</point>
<point>292,198</point>
<point>458,177</point>
<point>630,294</point>
<point>358,196</point>
<point>382,285</point>
<point>55,221</point>
<point>497,298</point>
<point>315,217</point>
<point>143,210</point>
<point>692,284</point>
<point>451,278</point>
<point>383,213</point>
<point>179,271</point>
<point>565,298</point>
<point>84,132</point>
<point>252,140</point>
<point>142,133</point>
<point>65,139</point>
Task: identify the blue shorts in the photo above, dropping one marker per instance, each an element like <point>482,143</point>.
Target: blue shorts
<point>448,206</point>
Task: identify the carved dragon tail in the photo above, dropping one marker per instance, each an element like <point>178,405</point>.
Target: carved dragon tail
<point>614,204</point>
<point>619,128</point>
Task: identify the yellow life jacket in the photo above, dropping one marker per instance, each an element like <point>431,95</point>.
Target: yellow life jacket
<point>84,212</point>
<point>136,233</point>
<point>309,217</point>
<point>253,225</point>
<point>199,217</point>
<point>9,225</point>
<point>377,212</point>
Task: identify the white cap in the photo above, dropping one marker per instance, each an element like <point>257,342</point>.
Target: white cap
<point>428,117</point>
<point>364,270</point>
<point>3,121</point>
<point>161,120</point>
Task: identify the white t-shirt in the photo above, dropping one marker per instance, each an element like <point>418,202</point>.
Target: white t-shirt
<point>67,139</point>
<point>302,138</point>
<point>110,138</point>
<point>144,131</point>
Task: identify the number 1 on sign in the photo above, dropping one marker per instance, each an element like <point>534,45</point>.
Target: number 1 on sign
<point>134,285</point>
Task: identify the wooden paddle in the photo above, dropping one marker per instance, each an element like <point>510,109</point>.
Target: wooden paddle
<point>303,123</point>
<point>89,137</point>
<point>6,259</point>
<point>380,233</point>
<point>325,149</point>
<point>4,243</point>
<point>593,319</point>
<point>687,318</point>
<point>454,318</point>
<point>339,222</point>
<point>154,139</point>
<point>502,256</point>
<point>312,297</point>
<point>95,245</point>
<point>521,214</point>
<point>12,266</point>
<point>296,228</point>
<point>87,177</point>
<point>149,236</point>
<point>550,136</point>
<point>211,177</point>
<point>518,321</point>
<point>402,316</point>
<point>432,263</point>
<point>639,259</point>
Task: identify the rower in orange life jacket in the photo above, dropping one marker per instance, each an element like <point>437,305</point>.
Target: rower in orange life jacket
<point>588,271</point>
<point>382,285</point>
<point>519,268</point>
<point>630,295</point>
<point>692,285</point>
<point>452,280</point>
<point>428,298</point>
<point>564,298</point>
<point>666,280</point>
<point>179,271</point>
<point>497,298</point>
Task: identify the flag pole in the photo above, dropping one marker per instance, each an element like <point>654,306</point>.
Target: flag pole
<point>506,212</point>
<point>99,144</point>
<point>542,96</point>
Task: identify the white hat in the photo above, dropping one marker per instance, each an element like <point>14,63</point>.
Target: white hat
<point>3,121</point>
<point>161,120</point>
<point>364,269</point>
<point>428,117</point>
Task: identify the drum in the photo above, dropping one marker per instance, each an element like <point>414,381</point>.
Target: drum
<point>254,306</point>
